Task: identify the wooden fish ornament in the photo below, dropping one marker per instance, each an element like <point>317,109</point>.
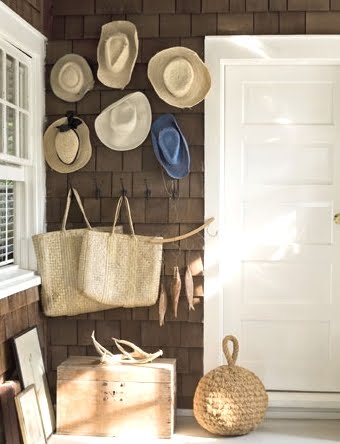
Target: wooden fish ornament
<point>163,304</point>
<point>189,288</point>
<point>175,290</point>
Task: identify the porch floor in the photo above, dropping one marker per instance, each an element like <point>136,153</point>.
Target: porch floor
<point>272,431</point>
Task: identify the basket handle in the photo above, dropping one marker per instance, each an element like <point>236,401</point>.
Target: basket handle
<point>118,210</point>
<point>67,208</point>
<point>231,358</point>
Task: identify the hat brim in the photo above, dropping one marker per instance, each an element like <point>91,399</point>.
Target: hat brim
<point>104,73</point>
<point>88,83</point>
<point>182,169</point>
<point>84,153</point>
<point>116,141</point>
<point>201,82</point>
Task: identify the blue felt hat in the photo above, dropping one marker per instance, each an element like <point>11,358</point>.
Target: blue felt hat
<point>170,146</point>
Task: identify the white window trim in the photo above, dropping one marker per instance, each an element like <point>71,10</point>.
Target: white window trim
<point>235,50</point>
<point>21,34</point>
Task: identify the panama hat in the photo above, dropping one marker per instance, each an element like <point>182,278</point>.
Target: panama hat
<point>116,53</point>
<point>170,146</point>
<point>179,76</point>
<point>67,144</point>
<point>71,78</point>
<point>125,124</point>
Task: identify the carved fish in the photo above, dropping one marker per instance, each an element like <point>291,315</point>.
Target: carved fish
<point>175,290</point>
<point>189,288</point>
<point>163,304</point>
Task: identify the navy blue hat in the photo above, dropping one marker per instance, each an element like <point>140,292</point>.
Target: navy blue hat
<point>170,146</point>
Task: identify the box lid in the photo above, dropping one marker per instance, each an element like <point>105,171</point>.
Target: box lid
<point>89,368</point>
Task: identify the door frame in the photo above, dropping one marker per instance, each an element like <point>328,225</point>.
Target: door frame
<point>221,51</point>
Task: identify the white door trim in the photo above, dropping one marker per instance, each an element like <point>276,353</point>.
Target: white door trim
<point>220,52</point>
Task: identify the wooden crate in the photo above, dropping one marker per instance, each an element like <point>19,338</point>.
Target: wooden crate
<point>113,400</point>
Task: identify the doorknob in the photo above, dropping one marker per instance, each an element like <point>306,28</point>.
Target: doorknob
<point>336,218</point>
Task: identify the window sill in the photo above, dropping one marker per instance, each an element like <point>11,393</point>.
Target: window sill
<point>14,279</point>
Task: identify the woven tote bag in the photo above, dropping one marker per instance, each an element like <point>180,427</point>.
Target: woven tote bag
<point>57,255</point>
<point>120,269</point>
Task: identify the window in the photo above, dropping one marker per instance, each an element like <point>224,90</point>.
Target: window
<point>22,190</point>
<point>6,222</point>
<point>15,144</point>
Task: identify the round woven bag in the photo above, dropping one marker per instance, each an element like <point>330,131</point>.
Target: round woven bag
<point>230,400</point>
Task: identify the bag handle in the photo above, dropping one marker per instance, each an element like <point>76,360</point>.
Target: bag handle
<point>67,208</point>
<point>231,357</point>
<point>118,210</point>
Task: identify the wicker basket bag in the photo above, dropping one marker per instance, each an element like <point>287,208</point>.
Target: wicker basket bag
<point>230,400</point>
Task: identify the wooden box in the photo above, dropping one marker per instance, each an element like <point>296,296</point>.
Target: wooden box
<point>114,400</point>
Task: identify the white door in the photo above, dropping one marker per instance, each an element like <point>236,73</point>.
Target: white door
<point>282,253</point>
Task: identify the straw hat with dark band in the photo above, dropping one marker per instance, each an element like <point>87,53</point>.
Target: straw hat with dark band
<point>67,144</point>
<point>179,77</point>
<point>117,53</point>
<point>71,78</point>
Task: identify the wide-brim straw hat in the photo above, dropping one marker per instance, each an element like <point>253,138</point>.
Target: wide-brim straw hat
<point>125,124</point>
<point>179,77</point>
<point>71,78</point>
<point>117,53</point>
<point>170,146</point>
<point>69,150</point>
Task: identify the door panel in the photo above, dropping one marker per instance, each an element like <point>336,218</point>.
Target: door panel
<point>282,253</point>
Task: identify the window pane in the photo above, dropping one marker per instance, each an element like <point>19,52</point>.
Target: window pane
<point>11,131</point>
<point>1,71</point>
<point>23,86</point>
<point>1,129</point>
<point>10,79</point>
<point>6,222</point>
<point>23,134</point>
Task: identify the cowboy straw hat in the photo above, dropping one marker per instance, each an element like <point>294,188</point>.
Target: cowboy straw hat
<point>117,53</point>
<point>179,77</point>
<point>170,146</point>
<point>125,124</point>
<point>71,78</point>
<point>67,144</point>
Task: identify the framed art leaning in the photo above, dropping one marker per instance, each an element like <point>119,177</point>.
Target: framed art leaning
<point>29,417</point>
<point>32,371</point>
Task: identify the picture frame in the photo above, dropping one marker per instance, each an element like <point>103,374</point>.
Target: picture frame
<point>32,371</point>
<point>29,417</point>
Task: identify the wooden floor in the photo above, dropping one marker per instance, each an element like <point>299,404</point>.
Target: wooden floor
<point>273,431</point>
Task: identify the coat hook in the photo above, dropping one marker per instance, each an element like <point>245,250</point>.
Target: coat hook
<point>174,191</point>
<point>122,189</point>
<point>97,189</point>
<point>147,192</point>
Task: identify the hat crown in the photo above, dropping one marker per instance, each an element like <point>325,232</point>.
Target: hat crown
<point>117,51</point>
<point>123,118</point>
<point>67,146</point>
<point>178,76</point>
<point>169,140</point>
<point>71,77</point>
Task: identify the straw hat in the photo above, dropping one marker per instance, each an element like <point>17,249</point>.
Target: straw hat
<point>71,78</point>
<point>170,146</point>
<point>125,124</point>
<point>116,53</point>
<point>179,77</point>
<point>67,144</point>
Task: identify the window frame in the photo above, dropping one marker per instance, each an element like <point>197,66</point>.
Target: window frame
<point>30,206</point>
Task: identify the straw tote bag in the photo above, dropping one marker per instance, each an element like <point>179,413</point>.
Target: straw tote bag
<point>120,269</point>
<point>57,255</point>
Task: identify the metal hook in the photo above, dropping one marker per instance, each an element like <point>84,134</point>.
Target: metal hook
<point>122,189</point>
<point>97,189</point>
<point>174,191</point>
<point>147,192</point>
